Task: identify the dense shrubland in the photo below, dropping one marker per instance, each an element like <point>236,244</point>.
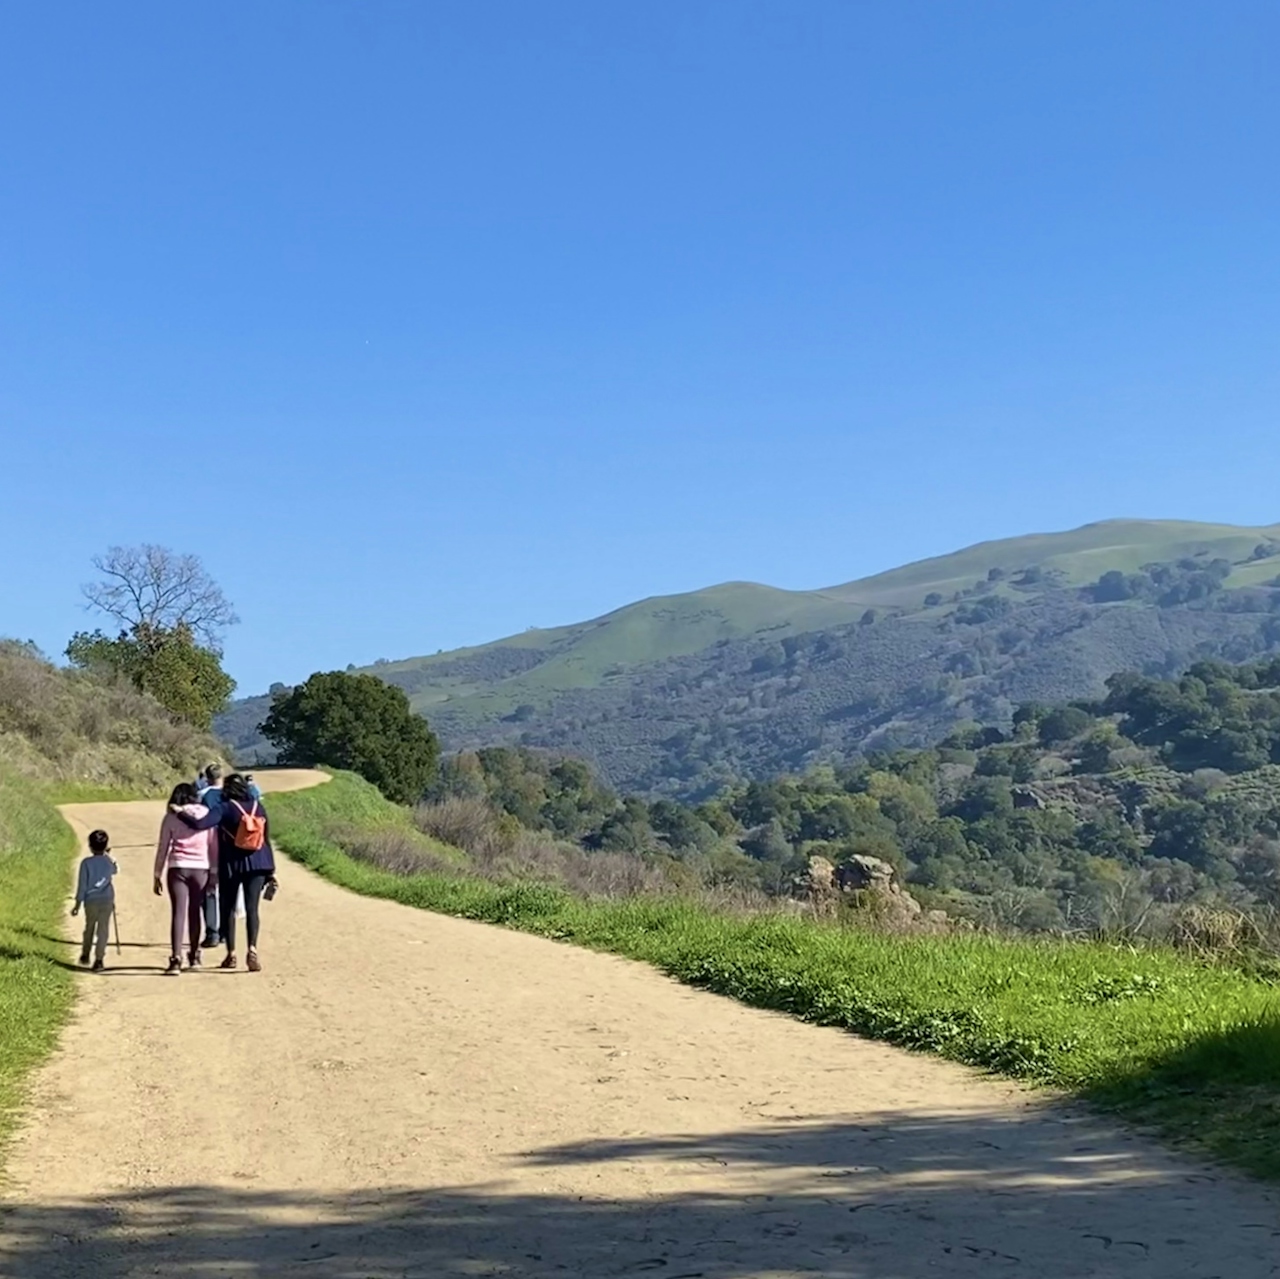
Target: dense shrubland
<point>1153,811</point>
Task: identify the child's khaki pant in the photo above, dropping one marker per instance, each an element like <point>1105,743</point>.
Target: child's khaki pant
<point>97,917</point>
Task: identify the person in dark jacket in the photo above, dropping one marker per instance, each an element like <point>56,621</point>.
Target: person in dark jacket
<point>238,868</point>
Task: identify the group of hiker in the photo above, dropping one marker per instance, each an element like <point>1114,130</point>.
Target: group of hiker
<point>213,857</point>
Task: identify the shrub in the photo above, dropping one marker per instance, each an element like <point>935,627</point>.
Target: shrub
<point>466,822</point>
<point>391,848</point>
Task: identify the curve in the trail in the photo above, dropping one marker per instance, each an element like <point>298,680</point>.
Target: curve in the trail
<point>401,1094</point>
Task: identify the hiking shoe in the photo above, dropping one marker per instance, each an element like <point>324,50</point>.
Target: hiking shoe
<point>84,959</point>
<point>98,965</point>
<point>253,963</point>
<point>175,966</point>
<point>193,959</point>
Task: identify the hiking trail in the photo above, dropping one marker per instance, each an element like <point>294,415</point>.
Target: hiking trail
<point>404,1095</point>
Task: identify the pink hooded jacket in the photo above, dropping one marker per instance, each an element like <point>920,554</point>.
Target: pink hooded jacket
<point>182,848</point>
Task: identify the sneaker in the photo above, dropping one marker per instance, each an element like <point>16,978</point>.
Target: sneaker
<point>98,965</point>
<point>253,963</point>
<point>229,962</point>
<point>175,966</point>
<point>211,940</point>
<point>193,959</point>
<point>84,959</point>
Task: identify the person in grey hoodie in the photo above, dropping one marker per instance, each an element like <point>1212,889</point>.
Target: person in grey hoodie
<point>96,893</point>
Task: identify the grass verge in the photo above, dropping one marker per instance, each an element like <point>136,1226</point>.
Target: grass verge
<point>1191,1049</point>
<point>36,851</point>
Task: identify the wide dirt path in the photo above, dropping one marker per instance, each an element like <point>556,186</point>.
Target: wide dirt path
<point>402,1095</point>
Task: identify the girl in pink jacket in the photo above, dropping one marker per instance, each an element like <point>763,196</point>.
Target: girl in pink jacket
<point>187,861</point>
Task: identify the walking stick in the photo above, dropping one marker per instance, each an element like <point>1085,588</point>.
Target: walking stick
<point>115,922</point>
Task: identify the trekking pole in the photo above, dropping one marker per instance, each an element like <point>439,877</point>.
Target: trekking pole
<point>115,923</point>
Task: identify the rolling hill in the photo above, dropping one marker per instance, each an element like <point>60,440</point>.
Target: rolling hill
<point>672,692</point>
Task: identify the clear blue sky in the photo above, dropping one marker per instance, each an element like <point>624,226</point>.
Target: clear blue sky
<point>426,322</point>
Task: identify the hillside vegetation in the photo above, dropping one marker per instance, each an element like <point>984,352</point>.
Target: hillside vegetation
<point>681,694</point>
<point>1192,1048</point>
<point>81,733</point>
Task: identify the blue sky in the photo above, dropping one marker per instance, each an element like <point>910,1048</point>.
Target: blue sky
<point>424,323</point>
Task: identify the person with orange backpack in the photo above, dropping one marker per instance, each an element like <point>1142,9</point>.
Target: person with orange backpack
<point>245,861</point>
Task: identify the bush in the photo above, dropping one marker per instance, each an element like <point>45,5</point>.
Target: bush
<point>466,822</point>
<point>390,848</point>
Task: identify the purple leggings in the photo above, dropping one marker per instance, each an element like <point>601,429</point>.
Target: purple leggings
<point>186,898</point>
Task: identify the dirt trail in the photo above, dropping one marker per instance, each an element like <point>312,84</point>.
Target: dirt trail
<point>403,1095</point>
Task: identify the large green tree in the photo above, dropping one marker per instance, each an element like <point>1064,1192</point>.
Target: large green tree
<point>183,676</point>
<point>356,722</point>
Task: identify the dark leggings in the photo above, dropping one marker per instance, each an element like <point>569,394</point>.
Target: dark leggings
<point>254,882</point>
<point>186,901</point>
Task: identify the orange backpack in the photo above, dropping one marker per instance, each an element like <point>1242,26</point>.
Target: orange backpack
<point>251,834</point>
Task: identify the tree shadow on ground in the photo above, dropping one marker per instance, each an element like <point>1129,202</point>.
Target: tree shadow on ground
<point>1218,1094</point>
<point>1038,1193</point>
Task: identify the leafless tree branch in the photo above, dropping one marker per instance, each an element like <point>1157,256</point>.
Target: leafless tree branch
<point>152,586</point>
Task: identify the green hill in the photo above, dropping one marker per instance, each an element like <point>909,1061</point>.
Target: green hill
<point>1076,557</point>
<point>544,662</point>
<point>663,692</point>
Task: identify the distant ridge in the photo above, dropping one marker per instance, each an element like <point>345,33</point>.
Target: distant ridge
<point>602,685</point>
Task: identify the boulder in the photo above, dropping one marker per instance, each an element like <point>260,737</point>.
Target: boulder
<point>861,873</point>
<point>816,884</point>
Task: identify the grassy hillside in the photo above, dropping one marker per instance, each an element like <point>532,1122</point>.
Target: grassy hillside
<point>645,691</point>
<point>1071,559</point>
<point>654,630</point>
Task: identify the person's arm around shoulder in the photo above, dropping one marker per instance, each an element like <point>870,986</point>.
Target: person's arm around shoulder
<point>211,818</point>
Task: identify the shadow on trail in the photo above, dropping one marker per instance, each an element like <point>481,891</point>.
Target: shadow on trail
<point>123,970</point>
<point>1036,1194</point>
<point>72,942</point>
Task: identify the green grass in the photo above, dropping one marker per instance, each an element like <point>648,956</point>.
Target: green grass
<point>1192,1050</point>
<point>36,851</point>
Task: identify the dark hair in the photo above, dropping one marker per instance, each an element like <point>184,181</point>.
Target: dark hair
<point>184,793</point>
<point>235,787</point>
<point>213,772</point>
<point>99,841</point>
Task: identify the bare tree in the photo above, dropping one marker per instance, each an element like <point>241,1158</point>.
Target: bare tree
<point>154,588</point>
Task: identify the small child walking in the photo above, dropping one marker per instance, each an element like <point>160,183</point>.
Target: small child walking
<point>97,894</point>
